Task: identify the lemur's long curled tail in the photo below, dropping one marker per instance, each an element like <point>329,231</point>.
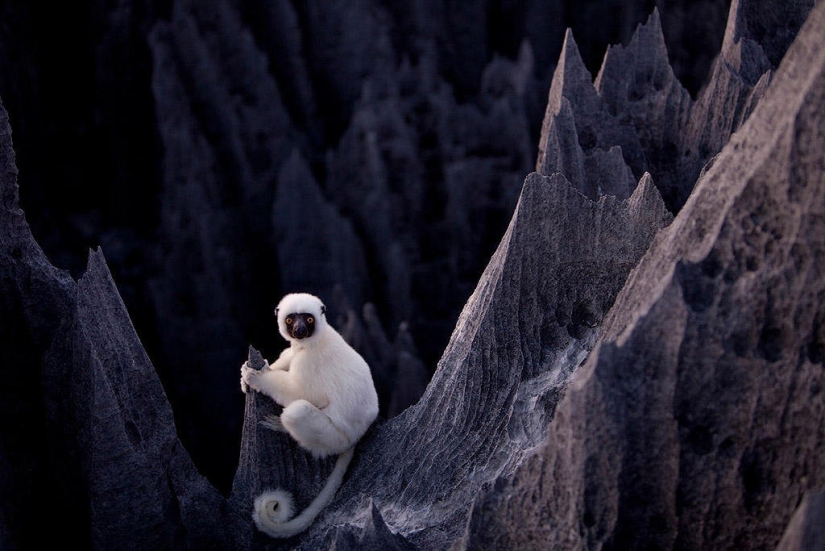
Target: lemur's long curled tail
<point>274,508</point>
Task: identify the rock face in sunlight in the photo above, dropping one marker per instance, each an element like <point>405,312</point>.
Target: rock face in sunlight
<point>619,378</point>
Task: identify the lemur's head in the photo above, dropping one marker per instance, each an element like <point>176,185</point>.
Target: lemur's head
<point>300,316</point>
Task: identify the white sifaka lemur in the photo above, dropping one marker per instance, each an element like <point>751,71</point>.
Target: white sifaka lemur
<point>329,402</point>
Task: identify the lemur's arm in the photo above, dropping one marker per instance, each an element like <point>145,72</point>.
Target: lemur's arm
<point>277,384</point>
<point>283,361</point>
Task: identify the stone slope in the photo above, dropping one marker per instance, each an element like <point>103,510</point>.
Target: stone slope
<point>36,313</point>
<point>86,423</point>
<point>530,322</point>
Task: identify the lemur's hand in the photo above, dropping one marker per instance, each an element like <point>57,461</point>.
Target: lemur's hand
<point>248,375</point>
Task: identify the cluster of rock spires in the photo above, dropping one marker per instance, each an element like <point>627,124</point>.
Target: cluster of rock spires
<point>403,128</point>
<point>618,378</point>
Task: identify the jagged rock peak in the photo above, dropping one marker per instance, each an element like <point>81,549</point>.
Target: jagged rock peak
<point>647,39</point>
<point>325,252</point>
<point>768,27</point>
<point>579,133</point>
<point>375,536</point>
<point>571,78</point>
<point>127,427</point>
<point>639,71</point>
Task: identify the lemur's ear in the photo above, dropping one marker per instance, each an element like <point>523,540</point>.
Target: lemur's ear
<point>323,310</point>
<point>276,311</point>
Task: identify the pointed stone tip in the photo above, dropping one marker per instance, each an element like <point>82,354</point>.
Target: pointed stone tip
<point>655,17</point>
<point>377,520</point>
<point>376,514</point>
<point>571,75</point>
<point>525,52</point>
<point>97,271</point>
<point>646,200</point>
<point>96,261</point>
<point>651,31</point>
<point>644,186</point>
<point>256,360</point>
<point>570,50</point>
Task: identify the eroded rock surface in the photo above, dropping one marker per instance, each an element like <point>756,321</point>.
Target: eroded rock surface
<point>697,420</point>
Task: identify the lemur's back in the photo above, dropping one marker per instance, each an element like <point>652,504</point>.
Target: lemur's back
<point>335,370</point>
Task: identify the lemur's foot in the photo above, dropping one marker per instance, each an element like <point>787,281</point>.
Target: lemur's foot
<point>273,422</point>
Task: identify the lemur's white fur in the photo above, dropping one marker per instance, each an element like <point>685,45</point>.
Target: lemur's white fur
<point>329,403</point>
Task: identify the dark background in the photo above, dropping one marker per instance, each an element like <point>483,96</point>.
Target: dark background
<point>224,153</point>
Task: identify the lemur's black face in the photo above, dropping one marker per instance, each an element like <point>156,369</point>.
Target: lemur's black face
<point>300,326</point>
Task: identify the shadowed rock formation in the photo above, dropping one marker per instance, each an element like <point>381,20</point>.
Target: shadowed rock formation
<point>86,422</point>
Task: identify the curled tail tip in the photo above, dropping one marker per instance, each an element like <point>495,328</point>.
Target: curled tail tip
<point>273,507</point>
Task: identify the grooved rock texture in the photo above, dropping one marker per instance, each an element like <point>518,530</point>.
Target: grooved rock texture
<point>499,379</point>
<point>617,379</point>
<point>697,421</point>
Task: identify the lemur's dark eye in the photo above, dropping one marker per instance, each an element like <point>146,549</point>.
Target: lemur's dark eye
<point>288,321</point>
<point>310,319</point>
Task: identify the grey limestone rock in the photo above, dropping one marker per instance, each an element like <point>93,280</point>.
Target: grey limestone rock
<point>697,420</point>
<point>270,460</point>
<point>167,146</point>
<point>577,123</point>
<point>532,319</point>
<point>36,318</point>
<point>399,375</point>
<point>637,103</point>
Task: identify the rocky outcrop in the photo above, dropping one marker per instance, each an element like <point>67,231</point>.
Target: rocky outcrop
<point>37,317</point>
<point>697,420</point>
<point>86,423</point>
